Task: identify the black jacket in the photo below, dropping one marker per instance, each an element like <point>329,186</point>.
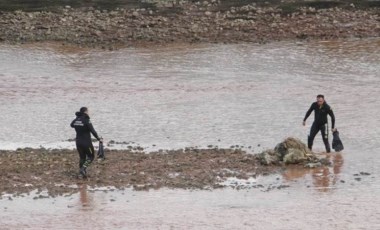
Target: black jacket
<point>83,128</point>
<point>320,114</point>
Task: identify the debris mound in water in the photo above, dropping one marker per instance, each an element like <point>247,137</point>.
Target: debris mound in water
<point>290,151</point>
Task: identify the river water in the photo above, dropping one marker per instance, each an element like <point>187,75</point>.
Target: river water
<point>181,96</point>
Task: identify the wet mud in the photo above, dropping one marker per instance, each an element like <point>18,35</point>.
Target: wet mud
<point>57,170</point>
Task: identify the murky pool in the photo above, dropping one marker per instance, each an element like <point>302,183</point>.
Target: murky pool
<point>179,96</point>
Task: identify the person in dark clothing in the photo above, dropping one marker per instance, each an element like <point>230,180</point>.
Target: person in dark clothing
<point>84,128</point>
<point>321,110</point>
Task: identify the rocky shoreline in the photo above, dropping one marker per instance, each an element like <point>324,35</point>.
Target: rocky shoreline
<point>187,22</point>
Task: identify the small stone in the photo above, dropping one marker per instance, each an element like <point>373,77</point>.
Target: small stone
<point>313,165</point>
<point>208,13</point>
<point>365,173</point>
<point>98,33</point>
<point>325,161</point>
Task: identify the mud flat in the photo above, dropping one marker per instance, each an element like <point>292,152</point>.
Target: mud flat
<point>163,22</point>
<point>57,170</point>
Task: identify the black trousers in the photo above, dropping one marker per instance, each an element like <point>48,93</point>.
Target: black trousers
<point>315,128</point>
<point>86,155</point>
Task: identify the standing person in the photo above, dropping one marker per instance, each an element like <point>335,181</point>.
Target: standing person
<point>84,128</point>
<point>321,110</point>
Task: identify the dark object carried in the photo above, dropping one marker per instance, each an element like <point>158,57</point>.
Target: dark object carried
<point>101,151</point>
<point>337,144</point>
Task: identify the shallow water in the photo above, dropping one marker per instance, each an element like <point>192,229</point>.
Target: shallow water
<point>185,96</point>
<point>182,96</point>
<point>349,206</point>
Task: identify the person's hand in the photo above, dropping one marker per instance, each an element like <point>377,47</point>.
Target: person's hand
<point>101,140</point>
<point>304,123</point>
<point>333,130</point>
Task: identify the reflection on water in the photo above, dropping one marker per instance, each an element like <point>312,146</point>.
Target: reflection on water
<point>324,179</point>
<point>292,208</point>
<point>86,200</point>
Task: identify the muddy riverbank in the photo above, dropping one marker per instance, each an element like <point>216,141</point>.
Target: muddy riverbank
<point>189,22</point>
<point>57,170</point>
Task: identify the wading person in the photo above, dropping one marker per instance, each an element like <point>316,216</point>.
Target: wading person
<point>84,128</point>
<point>321,110</point>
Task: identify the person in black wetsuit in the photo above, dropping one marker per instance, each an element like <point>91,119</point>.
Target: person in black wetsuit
<point>321,110</point>
<point>84,128</point>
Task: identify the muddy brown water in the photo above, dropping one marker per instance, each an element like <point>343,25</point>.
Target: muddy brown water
<point>178,96</point>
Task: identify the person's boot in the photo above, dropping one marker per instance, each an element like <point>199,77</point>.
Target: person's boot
<point>327,145</point>
<point>328,150</point>
<point>310,143</point>
<point>101,159</point>
<point>83,172</point>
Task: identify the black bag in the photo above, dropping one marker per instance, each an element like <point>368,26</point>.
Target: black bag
<point>101,151</point>
<point>337,144</point>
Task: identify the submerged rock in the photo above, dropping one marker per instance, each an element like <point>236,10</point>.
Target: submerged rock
<point>313,165</point>
<point>268,157</point>
<point>294,156</point>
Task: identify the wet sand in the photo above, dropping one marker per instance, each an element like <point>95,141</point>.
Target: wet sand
<point>57,170</point>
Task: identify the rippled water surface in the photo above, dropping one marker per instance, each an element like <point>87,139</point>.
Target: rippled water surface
<point>182,96</point>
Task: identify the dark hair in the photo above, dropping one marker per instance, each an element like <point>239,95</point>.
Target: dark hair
<point>320,96</point>
<point>83,109</point>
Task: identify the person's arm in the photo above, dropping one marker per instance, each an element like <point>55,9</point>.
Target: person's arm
<point>308,113</point>
<point>92,130</point>
<point>331,113</point>
<point>72,123</point>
